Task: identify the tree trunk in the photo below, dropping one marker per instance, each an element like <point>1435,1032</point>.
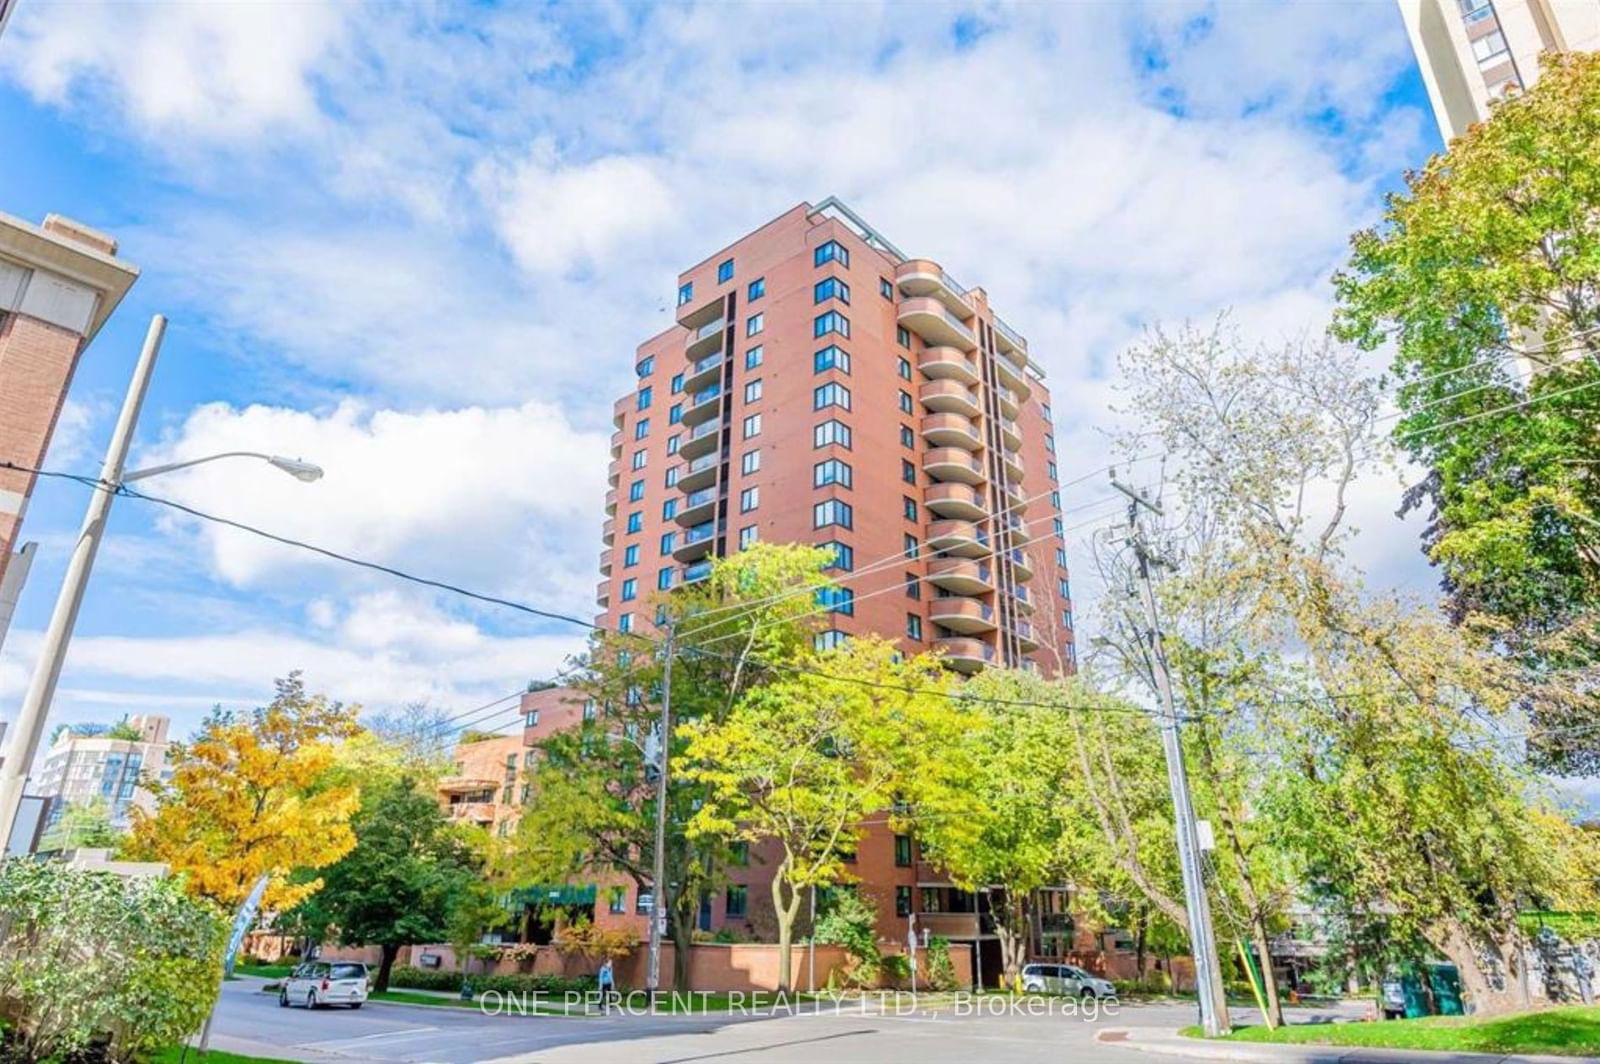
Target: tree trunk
<point>785,912</point>
<point>1451,939</point>
<point>1141,933</point>
<point>682,941</point>
<point>1010,930</point>
<point>1269,978</point>
<point>388,952</point>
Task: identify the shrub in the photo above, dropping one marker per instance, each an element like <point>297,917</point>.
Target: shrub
<point>850,922</point>
<point>895,970</point>
<point>941,969</point>
<point>90,957</point>
<point>406,978</point>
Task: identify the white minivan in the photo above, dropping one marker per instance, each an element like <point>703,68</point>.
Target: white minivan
<point>1064,979</point>
<point>320,983</point>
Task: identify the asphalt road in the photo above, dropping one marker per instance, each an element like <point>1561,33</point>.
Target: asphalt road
<point>250,1021</point>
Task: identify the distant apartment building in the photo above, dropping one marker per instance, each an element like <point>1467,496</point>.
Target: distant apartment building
<point>111,766</point>
<point>1475,51</point>
<point>59,282</point>
<point>491,779</point>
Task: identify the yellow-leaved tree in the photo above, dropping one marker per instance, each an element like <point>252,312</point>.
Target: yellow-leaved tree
<point>252,794</point>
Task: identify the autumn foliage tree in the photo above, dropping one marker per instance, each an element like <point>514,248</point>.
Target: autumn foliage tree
<point>252,794</point>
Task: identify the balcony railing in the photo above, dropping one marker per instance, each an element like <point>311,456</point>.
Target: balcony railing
<point>697,498</point>
<point>706,429</point>
<point>700,532</point>
<point>1009,333</point>
<point>693,574</point>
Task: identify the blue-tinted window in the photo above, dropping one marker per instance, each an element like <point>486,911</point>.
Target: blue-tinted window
<point>844,555</point>
<point>630,555</point>
<point>674,413</point>
<point>831,394</point>
<point>630,589</point>
<point>667,541</point>
<point>830,639</point>
<point>831,288</point>
<point>677,383</point>
<point>831,432</point>
<point>757,289</point>
<point>725,271</point>
<point>833,471</point>
<point>645,395</point>
<point>636,491</point>
<point>669,509</point>
<point>831,357</point>
<point>641,428</point>
<point>832,251</point>
<point>685,293</point>
<point>664,578</point>
<point>646,366</point>
<point>831,322</point>
<point>832,512</point>
<point>636,521</point>
<point>837,600</point>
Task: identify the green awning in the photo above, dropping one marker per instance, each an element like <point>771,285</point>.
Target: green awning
<point>563,894</point>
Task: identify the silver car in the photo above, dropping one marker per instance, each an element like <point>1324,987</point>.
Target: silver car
<point>1065,979</point>
<point>321,983</point>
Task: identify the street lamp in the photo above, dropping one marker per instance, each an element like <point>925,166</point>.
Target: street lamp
<point>47,672</point>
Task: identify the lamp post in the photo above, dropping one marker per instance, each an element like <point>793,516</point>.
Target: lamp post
<point>47,672</point>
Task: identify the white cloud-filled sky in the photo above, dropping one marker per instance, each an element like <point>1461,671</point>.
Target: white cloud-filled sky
<point>417,244</point>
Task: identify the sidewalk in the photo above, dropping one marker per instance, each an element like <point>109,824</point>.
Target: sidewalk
<point>1170,1043</point>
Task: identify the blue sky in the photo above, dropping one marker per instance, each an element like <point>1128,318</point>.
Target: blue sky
<point>418,245</point>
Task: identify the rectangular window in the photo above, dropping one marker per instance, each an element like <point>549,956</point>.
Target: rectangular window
<point>675,413</point>
<point>831,322</point>
<point>829,432</point>
<point>725,271</point>
<point>752,357</point>
<point>1055,499</point>
<point>832,471</point>
<point>1045,409</point>
<point>642,402</point>
<point>902,336</point>
<point>685,292</point>
<point>664,578</point>
<point>831,394</point>
<point>902,901</point>
<point>672,476</point>
<point>752,390</point>
<point>1063,587</point>
<point>907,437</point>
<point>625,623</point>
<point>910,544</point>
<point>908,507</point>
<point>1061,557</point>
<point>844,555</point>
<point>749,499</point>
<point>832,251</point>
<point>754,324</point>
<point>1058,530</point>
<point>908,471</point>
<point>669,509</point>
<point>672,444</point>
<point>913,586</point>
<point>841,600</point>
<point>739,854</point>
<point>905,403</point>
<point>750,462</point>
<point>668,541</point>
<point>630,589</point>
<point>635,521</point>
<point>617,899</point>
<point>752,426</point>
<point>902,851</point>
<point>630,555</point>
<point>636,491</point>
<point>641,429</point>
<point>831,357</point>
<point>737,904</point>
<point>677,383</point>
<point>1050,469</point>
<point>832,512</point>
<point>885,289</point>
<point>913,627</point>
<point>644,902</point>
<point>1050,443</point>
<point>748,535</point>
<point>639,458</point>
<point>831,288</point>
<point>828,640</point>
<point>646,366</point>
<point>1489,47</point>
<point>755,290</point>
<point>904,368</point>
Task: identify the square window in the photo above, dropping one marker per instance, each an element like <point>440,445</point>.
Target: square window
<point>752,390</point>
<point>752,426</point>
<point>630,555</point>
<point>913,627</point>
<point>748,535</point>
<point>725,271</point>
<point>641,429</point>
<point>832,251</point>
<point>908,471</point>
<point>749,499</point>
<point>885,289</point>
<point>752,358</point>
<point>754,324</point>
<point>913,586</point>
<point>756,290</point>
<point>685,292</point>
<point>750,462</point>
<point>831,357</point>
<point>831,322</point>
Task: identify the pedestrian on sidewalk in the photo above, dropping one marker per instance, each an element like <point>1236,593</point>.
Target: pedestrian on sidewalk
<point>607,980</point>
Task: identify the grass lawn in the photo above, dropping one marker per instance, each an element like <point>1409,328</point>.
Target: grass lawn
<point>1567,1031</point>
<point>173,1054</point>
<point>553,1006</point>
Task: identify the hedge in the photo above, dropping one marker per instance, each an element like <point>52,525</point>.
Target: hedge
<point>406,978</point>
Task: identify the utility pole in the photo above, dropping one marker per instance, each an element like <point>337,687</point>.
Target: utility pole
<point>47,673</point>
<point>658,892</point>
<point>1207,965</point>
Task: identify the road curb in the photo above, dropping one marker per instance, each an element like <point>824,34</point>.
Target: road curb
<point>1167,1043</point>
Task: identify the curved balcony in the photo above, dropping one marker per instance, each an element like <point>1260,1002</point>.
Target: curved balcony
<point>616,444</point>
<point>965,655</point>
<point>476,812</point>
<point>1012,377</point>
<point>703,439</point>
<point>1015,529</point>
<point>703,405</point>
<point>961,575</point>
<point>697,542</point>
<point>605,562</point>
<point>613,475</point>
<point>697,507</point>
<point>1011,343</point>
<point>466,784</point>
<point>962,614</point>
<point>928,318</point>
<point>955,500</point>
<point>1010,433</point>
<point>952,463</point>
<point>1013,463</point>
<point>1012,497</point>
<point>602,594</point>
<point>950,397</point>
<point>923,277</point>
<point>608,531</point>
<point>704,372</point>
<point>705,340</point>
<point>1023,599</point>
<point>693,574</point>
<point>961,538</point>
<point>948,363</point>
<point>951,430</point>
<point>1010,402</point>
<point>1021,563</point>
<point>1025,635</point>
<point>700,472</point>
<point>611,502</point>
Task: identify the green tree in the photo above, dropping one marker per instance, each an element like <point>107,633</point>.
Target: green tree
<point>83,825</point>
<point>402,882</point>
<point>1487,267</point>
<point>593,812</point>
<point>803,760</point>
